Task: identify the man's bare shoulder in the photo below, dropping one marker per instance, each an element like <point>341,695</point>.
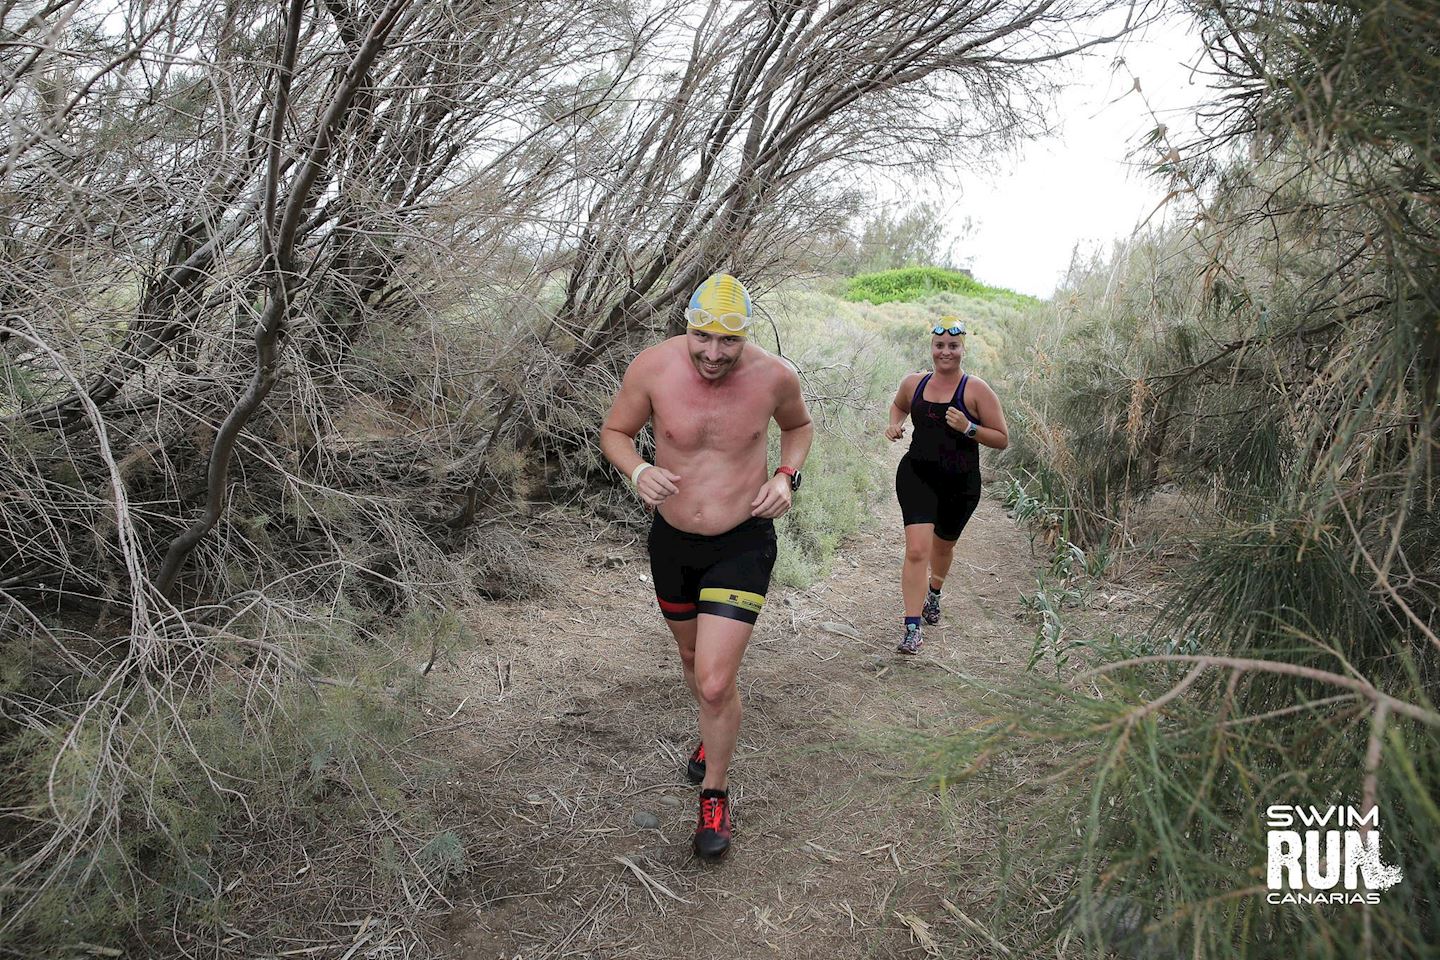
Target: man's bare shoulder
<point>655,357</point>
<point>775,368</point>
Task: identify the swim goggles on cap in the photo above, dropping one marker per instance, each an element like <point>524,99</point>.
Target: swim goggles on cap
<point>955,330</point>
<point>733,322</point>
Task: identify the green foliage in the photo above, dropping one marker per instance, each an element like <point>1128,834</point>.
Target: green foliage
<point>16,386</point>
<point>1287,586</point>
<point>1154,821</point>
<point>909,284</point>
<point>443,858</point>
<point>843,477</point>
<point>1038,514</point>
<point>892,238</point>
<point>900,330</point>
<point>1066,583</point>
<point>1052,640</point>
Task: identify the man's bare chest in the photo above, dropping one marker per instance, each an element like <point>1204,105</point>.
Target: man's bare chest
<point>700,420</point>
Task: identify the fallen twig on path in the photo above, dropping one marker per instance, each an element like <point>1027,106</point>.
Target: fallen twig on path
<point>919,930</point>
<point>650,884</point>
<point>976,926</point>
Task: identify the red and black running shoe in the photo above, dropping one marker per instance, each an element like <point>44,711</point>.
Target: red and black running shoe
<point>712,836</point>
<point>695,766</point>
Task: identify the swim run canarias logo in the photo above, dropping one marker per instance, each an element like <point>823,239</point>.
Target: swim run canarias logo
<point>1327,855</point>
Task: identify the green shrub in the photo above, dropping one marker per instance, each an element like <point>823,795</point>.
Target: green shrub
<point>843,476</point>
<point>916,283</point>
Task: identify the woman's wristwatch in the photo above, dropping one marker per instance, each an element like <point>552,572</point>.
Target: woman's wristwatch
<point>970,430</point>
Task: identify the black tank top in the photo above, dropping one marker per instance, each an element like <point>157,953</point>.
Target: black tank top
<point>934,441</point>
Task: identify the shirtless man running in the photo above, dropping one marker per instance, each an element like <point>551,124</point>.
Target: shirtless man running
<point>711,395</point>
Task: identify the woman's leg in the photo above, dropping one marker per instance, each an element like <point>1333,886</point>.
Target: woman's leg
<point>942,552</point>
<point>952,514</point>
<point>917,558</point>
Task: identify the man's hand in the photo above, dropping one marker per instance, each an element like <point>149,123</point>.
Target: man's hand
<point>656,485</point>
<point>955,420</point>
<point>773,499</point>
<point>895,431</point>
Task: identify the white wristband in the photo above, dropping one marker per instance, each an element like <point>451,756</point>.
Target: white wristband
<point>639,469</point>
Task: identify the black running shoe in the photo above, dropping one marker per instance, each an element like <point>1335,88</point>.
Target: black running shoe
<point>912,640</point>
<point>712,834</point>
<point>695,766</point>
<point>931,611</point>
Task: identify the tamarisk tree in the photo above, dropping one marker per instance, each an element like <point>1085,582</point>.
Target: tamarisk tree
<point>741,123</point>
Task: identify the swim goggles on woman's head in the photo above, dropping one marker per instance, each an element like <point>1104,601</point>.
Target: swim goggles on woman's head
<point>734,322</point>
<point>955,330</point>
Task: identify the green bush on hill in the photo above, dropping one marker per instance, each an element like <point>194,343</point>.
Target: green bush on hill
<point>916,283</point>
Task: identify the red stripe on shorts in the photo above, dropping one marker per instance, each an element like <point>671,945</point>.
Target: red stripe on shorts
<point>670,607</point>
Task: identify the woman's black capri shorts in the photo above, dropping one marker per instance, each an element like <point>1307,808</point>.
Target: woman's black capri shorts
<point>930,494</point>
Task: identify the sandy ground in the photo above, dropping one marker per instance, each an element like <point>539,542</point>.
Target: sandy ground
<point>573,718</point>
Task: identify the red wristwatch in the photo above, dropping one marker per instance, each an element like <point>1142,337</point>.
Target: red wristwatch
<point>790,472</point>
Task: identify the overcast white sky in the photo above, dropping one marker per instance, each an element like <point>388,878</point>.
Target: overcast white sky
<point>1078,186</point>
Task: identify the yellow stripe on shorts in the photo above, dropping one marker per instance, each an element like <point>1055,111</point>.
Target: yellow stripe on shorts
<point>741,599</point>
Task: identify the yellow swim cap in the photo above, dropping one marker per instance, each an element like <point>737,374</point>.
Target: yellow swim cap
<point>720,306</point>
<point>950,324</point>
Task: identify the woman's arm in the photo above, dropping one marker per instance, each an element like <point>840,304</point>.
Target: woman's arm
<point>900,406</point>
<point>992,431</point>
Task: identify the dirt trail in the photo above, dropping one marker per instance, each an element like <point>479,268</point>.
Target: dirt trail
<point>574,721</point>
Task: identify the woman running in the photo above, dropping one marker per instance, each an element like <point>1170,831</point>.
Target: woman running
<point>938,481</point>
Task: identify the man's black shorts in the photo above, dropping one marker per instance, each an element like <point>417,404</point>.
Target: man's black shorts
<point>930,494</point>
<point>726,575</point>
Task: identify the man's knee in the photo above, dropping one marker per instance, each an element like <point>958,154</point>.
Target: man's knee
<point>687,656</point>
<point>716,689</point>
<point>684,633</point>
